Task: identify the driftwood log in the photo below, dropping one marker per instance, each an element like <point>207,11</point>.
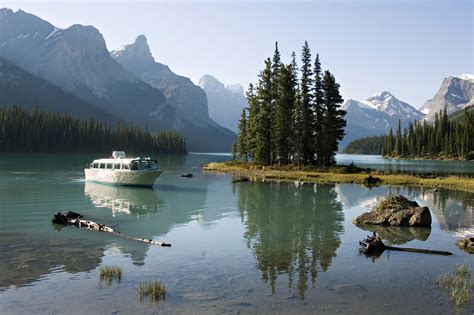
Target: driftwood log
<point>75,219</point>
<point>374,246</point>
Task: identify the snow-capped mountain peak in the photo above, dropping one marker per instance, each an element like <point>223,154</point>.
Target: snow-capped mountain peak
<point>466,76</point>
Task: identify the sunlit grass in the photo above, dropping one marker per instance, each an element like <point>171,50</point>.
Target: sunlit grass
<point>153,291</point>
<point>336,174</point>
<point>110,273</point>
<point>458,284</point>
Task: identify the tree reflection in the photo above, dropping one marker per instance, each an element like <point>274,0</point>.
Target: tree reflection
<point>292,230</point>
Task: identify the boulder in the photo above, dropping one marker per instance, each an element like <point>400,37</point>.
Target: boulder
<point>396,210</point>
<point>466,243</point>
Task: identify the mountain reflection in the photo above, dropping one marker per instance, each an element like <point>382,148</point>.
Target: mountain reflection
<point>292,230</point>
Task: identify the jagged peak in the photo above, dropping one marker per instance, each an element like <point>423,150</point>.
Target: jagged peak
<point>139,50</point>
<point>465,76</point>
<point>235,88</point>
<point>208,81</point>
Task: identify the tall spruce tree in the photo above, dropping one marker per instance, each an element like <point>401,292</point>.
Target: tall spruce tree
<point>334,122</point>
<point>275,74</point>
<point>264,118</point>
<point>306,105</point>
<point>398,140</point>
<point>242,146</point>
<point>285,102</point>
<point>318,110</point>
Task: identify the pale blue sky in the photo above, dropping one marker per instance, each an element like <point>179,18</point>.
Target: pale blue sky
<point>406,47</point>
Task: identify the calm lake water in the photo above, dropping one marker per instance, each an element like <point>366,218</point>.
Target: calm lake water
<point>237,248</point>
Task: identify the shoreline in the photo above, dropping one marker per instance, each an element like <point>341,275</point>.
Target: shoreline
<point>336,175</point>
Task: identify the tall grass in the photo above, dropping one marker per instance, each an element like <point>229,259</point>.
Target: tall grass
<point>458,284</point>
<point>109,273</point>
<point>153,291</point>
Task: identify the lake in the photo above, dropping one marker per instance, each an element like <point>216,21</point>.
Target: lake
<point>236,248</point>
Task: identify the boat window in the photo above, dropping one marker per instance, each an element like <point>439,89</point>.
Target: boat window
<point>117,166</point>
<point>96,165</point>
<point>125,166</point>
<point>102,165</point>
<point>109,166</point>
<point>134,165</point>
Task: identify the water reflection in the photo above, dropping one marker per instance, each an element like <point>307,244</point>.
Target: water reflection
<point>398,234</point>
<point>292,230</point>
<point>126,200</point>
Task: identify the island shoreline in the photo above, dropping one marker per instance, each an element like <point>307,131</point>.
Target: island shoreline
<point>341,174</point>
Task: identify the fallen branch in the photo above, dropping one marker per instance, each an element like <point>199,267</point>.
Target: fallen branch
<point>75,219</point>
<point>374,246</point>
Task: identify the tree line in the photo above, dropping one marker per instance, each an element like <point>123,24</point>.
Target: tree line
<point>444,138</point>
<point>294,114</point>
<point>366,145</point>
<point>39,131</point>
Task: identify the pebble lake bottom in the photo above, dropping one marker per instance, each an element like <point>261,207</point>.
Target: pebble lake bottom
<point>236,248</point>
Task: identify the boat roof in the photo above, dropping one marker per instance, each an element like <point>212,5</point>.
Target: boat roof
<point>122,160</point>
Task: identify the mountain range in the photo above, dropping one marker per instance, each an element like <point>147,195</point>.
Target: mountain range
<point>76,61</point>
<point>377,114</point>
<point>225,102</point>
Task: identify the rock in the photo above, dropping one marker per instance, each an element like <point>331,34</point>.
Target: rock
<point>396,210</point>
<point>372,181</point>
<point>189,175</point>
<point>466,243</point>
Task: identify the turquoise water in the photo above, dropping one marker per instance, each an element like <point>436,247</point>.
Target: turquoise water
<point>237,248</point>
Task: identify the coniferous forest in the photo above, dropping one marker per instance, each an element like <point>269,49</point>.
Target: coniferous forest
<point>38,131</point>
<point>294,114</point>
<point>445,138</point>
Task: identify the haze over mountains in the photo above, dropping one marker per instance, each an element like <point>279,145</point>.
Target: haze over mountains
<point>225,102</point>
<point>77,61</point>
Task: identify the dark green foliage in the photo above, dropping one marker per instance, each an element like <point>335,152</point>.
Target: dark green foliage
<point>333,120</point>
<point>292,119</point>
<point>38,131</point>
<point>367,145</point>
<point>445,138</point>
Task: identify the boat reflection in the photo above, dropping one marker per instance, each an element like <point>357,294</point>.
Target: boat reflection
<point>292,230</point>
<point>123,200</point>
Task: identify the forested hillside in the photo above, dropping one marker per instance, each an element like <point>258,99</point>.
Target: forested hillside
<point>449,137</point>
<point>367,145</point>
<point>38,131</point>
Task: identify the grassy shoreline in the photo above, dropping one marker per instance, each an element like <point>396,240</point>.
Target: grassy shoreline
<point>338,174</point>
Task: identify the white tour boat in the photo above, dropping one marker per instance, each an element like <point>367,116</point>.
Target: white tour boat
<point>120,170</point>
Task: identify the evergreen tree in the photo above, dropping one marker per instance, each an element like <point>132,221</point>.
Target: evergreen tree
<point>318,111</point>
<point>334,122</point>
<point>242,147</point>
<point>398,140</point>
<point>285,102</point>
<point>306,105</point>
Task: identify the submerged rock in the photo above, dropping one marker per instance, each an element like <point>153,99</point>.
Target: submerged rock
<point>396,210</point>
<point>466,243</point>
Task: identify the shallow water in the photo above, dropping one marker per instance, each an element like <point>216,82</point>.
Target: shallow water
<point>244,247</point>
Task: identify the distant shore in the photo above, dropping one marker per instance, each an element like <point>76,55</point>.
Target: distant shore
<point>337,174</point>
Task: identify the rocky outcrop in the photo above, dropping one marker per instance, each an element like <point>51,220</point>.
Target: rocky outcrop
<point>396,210</point>
<point>455,93</point>
<point>225,102</point>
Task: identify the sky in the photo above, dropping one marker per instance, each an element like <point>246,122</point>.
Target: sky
<point>405,47</point>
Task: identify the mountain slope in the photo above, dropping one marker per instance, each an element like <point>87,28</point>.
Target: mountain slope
<point>76,59</point>
<point>189,100</point>
<point>225,102</point>
<point>376,115</point>
<point>455,93</point>
<point>14,81</point>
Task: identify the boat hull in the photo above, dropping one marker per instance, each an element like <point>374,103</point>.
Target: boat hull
<point>140,178</point>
